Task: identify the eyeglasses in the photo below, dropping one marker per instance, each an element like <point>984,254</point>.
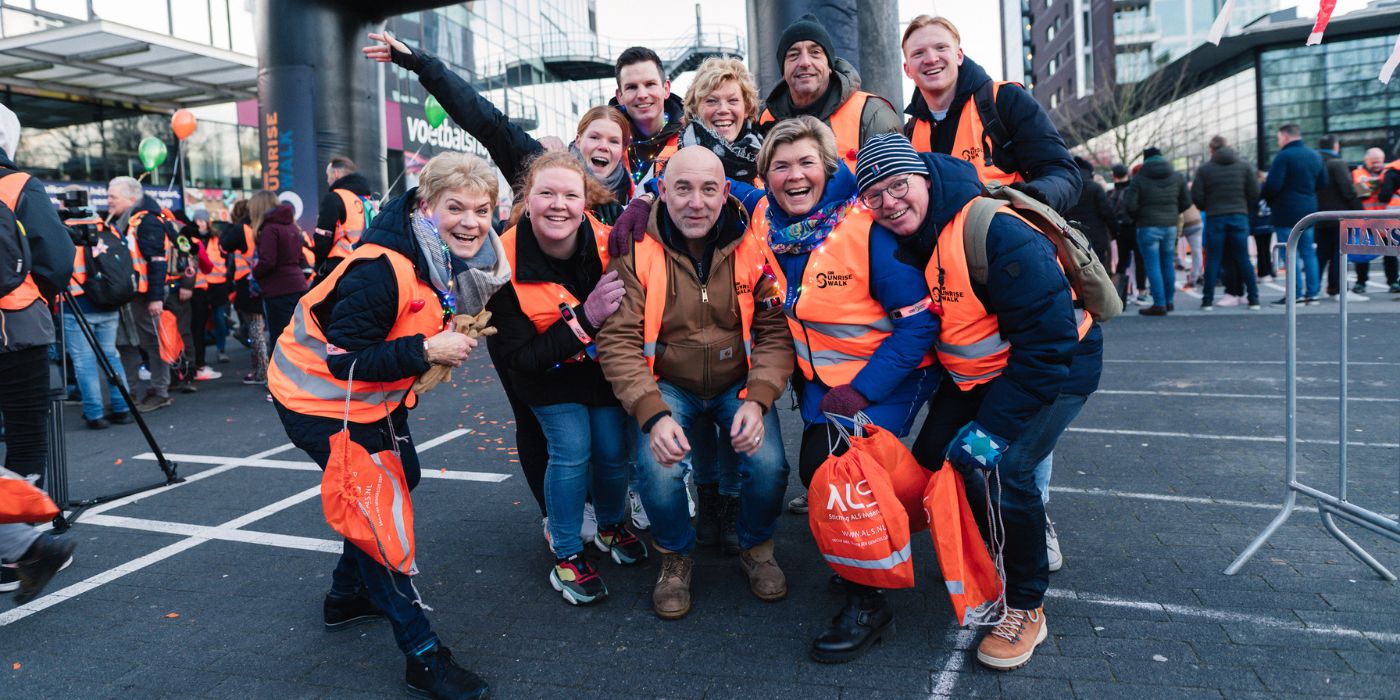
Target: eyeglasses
<point>875,199</point>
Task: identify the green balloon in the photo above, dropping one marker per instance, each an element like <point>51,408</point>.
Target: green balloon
<point>152,152</point>
<point>434,112</point>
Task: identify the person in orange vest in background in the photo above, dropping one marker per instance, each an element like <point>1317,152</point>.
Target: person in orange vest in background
<point>818,83</point>
<point>700,341</point>
<point>236,242</point>
<point>135,214</point>
<point>958,110</point>
<point>859,318</point>
<point>1371,177</point>
<point>30,558</point>
<point>1019,363</point>
<point>341,217</point>
<point>644,97</point>
<point>356,343</point>
<point>546,319</point>
<point>210,288</point>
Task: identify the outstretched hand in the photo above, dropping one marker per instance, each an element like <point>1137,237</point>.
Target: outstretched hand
<point>387,49</point>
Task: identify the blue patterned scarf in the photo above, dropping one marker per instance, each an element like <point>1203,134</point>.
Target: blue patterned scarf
<point>800,235</point>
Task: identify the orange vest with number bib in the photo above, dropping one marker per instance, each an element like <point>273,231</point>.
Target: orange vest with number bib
<point>540,300</point>
<point>11,185</point>
<point>970,346</point>
<point>298,374</point>
<point>970,143</point>
<point>844,123</point>
<point>347,232</point>
<point>836,325</point>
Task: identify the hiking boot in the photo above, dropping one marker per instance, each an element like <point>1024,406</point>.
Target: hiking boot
<point>1153,311</point>
<point>577,580</point>
<point>624,546</point>
<point>1010,644</point>
<point>49,554</point>
<point>728,524</point>
<point>863,621</point>
<point>153,402</point>
<point>670,600</point>
<point>434,674</point>
<point>342,613</point>
<point>1052,545</point>
<point>766,580</point>
<point>707,521</point>
<point>636,512</point>
<point>798,505</point>
<point>120,418</point>
<point>97,423</point>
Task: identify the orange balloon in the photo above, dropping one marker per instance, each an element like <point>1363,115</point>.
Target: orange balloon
<point>182,123</point>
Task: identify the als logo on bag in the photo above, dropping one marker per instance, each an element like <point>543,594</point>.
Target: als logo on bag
<point>859,498</point>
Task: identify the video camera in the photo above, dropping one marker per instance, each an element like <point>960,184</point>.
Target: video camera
<point>82,221</point>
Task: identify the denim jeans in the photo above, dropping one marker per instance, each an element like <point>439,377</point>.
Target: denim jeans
<point>714,461</point>
<point>762,476</point>
<point>1307,261</point>
<point>1158,246</point>
<point>587,456</point>
<point>85,363</point>
<point>1063,412</point>
<point>1227,239</point>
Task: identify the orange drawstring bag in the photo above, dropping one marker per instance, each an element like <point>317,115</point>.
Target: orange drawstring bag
<point>976,583</point>
<point>908,479</point>
<point>172,345</point>
<point>858,522</point>
<point>23,502</point>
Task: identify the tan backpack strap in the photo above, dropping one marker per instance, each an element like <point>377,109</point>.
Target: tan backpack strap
<point>979,220</point>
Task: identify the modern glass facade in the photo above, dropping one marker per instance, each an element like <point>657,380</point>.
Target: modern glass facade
<point>1332,88</point>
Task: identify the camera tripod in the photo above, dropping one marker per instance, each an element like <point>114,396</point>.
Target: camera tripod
<point>58,457</point>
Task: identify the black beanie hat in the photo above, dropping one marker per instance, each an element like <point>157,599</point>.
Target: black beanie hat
<point>1150,152</point>
<point>806,28</point>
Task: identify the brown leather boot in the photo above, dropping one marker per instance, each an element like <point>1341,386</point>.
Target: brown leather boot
<point>671,597</point>
<point>766,580</point>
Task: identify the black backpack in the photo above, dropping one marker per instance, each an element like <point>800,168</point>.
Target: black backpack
<point>15,259</point>
<point>111,275</point>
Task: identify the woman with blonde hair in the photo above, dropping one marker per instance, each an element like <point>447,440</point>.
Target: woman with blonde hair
<point>721,105</point>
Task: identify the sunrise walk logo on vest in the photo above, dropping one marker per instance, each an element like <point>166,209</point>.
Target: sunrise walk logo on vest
<point>833,279</point>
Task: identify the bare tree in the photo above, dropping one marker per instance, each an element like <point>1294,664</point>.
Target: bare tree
<point>1115,123</point>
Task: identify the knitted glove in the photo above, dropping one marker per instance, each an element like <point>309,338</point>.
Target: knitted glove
<point>843,400</point>
<point>605,298</point>
<point>630,227</point>
<point>975,447</point>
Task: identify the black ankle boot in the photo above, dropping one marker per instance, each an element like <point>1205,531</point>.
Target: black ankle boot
<point>707,520</point>
<point>729,516</point>
<point>865,619</point>
<point>435,674</point>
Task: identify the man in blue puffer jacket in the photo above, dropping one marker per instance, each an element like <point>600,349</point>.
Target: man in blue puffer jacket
<point>1000,403</point>
<point>1291,188</point>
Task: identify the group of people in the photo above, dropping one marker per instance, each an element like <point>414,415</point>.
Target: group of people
<point>670,273</point>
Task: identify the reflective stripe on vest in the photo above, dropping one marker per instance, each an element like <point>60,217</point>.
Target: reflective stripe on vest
<point>298,374</point>
<point>970,346</point>
<point>27,292</point>
<point>219,274</point>
<point>836,325</point>
<point>540,300</point>
<point>968,143</point>
<point>243,261</point>
<point>75,283</point>
<point>347,232</point>
<point>1363,180</point>
<point>844,123</point>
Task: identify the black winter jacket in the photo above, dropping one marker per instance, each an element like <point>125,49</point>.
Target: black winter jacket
<point>877,117</point>
<point>332,213</point>
<point>1295,176</point>
<point>1338,194</point>
<point>359,313</point>
<point>1093,212</point>
<point>1036,149</point>
<point>1157,194</point>
<point>536,361</point>
<point>1225,185</point>
<point>151,236</point>
<point>51,252</point>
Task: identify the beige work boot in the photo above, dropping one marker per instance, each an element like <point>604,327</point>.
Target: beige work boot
<point>766,580</point>
<point>671,597</point>
<point>1010,644</point>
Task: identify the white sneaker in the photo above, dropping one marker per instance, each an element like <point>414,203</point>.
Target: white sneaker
<point>205,374</point>
<point>637,512</point>
<point>1228,300</point>
<point>143,374</point>
<point>798,505</point>
<point>1052,545</point>
<point>1353,297</point>
<point>590,523</point>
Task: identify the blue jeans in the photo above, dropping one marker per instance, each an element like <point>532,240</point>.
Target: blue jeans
<point>85,364</point>
<point>714,461</point>
<point>1227,238</point>
<point>1063,412</point>
<point>1307,261</point>
<point>762,476</point>
<point>587,455</point>
<point>1158,246</point>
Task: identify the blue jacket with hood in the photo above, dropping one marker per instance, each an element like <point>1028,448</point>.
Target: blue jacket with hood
<point>1029,295</point>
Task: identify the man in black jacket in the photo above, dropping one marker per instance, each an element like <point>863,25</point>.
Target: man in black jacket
<point>1337,194</point>
<point>1226,190</point>
<point>1093,212</point>
<point>127,201</point>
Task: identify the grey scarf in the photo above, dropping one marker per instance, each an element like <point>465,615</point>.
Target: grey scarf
<point>429,239</point>
<point>614,178</point>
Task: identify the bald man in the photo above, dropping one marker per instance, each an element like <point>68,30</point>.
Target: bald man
<point>700,343</point>
<point>1370,178</point>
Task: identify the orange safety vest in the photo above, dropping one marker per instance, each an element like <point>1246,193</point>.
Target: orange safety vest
<point>11,185</point>
<point>347,232</point>
<point>1361,177</point>
<point>219,274</point>
<point>970,346</point>
<point>540,300</point>
<point>308,254</point>
<point>844,123</point>
<point>298,374</point>
<point>243,262</point>
<point>836,325</point>
<point>138,261</point>
<point>970,143</point>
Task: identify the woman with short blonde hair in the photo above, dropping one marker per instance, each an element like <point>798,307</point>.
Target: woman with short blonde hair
<point>720,108</point>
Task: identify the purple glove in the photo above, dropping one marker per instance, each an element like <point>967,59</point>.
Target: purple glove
<point>604,299</point>
<point>843,400</point>
<point>630,227</point>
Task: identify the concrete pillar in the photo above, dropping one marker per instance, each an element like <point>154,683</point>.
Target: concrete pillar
<point>880,58</point>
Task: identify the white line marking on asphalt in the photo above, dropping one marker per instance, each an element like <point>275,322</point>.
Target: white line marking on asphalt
<point>947,679</point>
<point>424,447</point>
<point>1351,363</point>
<point>1244,438</point>
<point>1172,498</point>
<point>308,466</point>
<point>1225,616</point>
<point>271,539</point>
<point>1212,395</point>
<point>224,465</point>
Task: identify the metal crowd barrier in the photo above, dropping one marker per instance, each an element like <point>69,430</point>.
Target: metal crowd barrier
<point>1364,232</point>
